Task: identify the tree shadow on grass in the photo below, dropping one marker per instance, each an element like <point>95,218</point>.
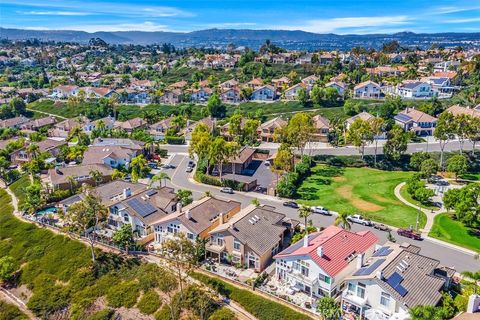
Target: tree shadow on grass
<point>308,193</point>
<point>320,181</point>
<point>329,171</point>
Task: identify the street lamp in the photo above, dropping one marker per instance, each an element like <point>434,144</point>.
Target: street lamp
<point>418,217</point>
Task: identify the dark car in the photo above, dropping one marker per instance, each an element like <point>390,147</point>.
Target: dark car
<point>291,204</point>
<point>153,165</point>
<point>409,234</point>
<point>191,163</point>
<point>381,227</point>
<point>169,166</point>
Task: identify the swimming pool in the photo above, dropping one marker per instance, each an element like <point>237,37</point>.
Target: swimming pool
<point>46,211</point>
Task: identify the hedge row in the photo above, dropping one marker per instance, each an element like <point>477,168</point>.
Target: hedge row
<point>260,307</point>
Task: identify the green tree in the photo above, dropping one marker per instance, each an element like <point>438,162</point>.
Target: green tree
<point>160,177</point>
<point>474,277</point>
<point>302,96</point>
<point>33,198</point>
<point>304,212</point>
<point>426,312</point>
<point>359,134</point>
<point>298,131</point>
<point>185,197</point>
<point>342,220</point>
<point>429,167</point>
<point>7,268</point>
<point>328,308</point>
<point>215,106</point>
<point>123,237</point>
<point>418,158</point>
<point>423,195</point>
<point>250,131</point>
<point>316,95</point>
<point>201,139</point>
<point>96,176</point>
<point>443,132</point>
<point>397,142</point>
<point>457,164</point>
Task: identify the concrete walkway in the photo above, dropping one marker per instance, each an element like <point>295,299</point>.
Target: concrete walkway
<point>47,114</point>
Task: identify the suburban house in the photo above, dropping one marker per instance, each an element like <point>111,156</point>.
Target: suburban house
<point>319,263</point>
<point>225,129</point>
<point>254,83</point>
<point>99,92</point>
<point>172,96</point>
<point>239,163</point>
<point>415,90</point>
<point>457,110</point>
<point>367,89</point>
<point>251,238</point>
<point>310,81</point>
<point>158,130</point>
<point>63,92</point>
<point>292,92</point>
<point>321,129</point>
<point>365,116</point>
<point>14,123</point>
<point>417,121</point>
<point>281,82</point>
<point>112,156</point>
<point>196,219</point>
<point>62,129</point>
<point>58,178</point>
<point>134,95</point>
<point>440,85</point>
<point>267,129</point>
<point>337,85</point>
<point>36,124</point>
<point>200,94</point>
<point>394,279</point>
<point>263,93</point>
<point>230,95</point>
<point>48,145</point>
<point>229,84</point>
<point>130,125</point>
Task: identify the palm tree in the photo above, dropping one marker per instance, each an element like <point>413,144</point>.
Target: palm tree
<point>342,220</point>
<point>96,176</point>
<point>33,150</point>
<point>475,277</point>
<point>72,181</point>
<point>138,166</point>
<point>162,176</point>
<point>305,212</point>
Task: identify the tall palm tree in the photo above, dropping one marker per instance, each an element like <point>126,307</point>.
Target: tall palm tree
<point>342,220</point>
<point>71,180</point>
<point>474,276</point>
<point>96,176</point>
<point>304,212</point>
<point>33,150</point>
<point>162,176</point>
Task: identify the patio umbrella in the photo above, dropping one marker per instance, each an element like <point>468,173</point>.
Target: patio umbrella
<point>374,314</point>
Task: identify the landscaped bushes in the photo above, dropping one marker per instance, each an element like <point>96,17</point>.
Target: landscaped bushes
<point>9,311</point>
<point>288,184</point>
<point>106,314</point>
<point>201,176</point>
<point>235,185</point>
<point>149,303</point>
<point>124,294</point>
<point>175,140</point>
<point>262,308</point>
<point>223,314</point>
<point>416,188</point>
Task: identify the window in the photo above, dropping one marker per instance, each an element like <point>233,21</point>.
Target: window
<point>385,299</point>
<point>361,290</point>
<point>324,278</point>
<point>236,245</point>
<point>351,287</point>
<point>190,236</point>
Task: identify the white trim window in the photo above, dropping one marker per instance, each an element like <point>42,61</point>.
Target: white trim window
<point>385,299</point>
<point>236,245</point>
<point>361,290</point>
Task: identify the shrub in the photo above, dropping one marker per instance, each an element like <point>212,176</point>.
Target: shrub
<point>258,306</point>
<point>165,314</point>
<point>124,294</point>
<point>11,312</point>
<point>149,303</point>
<point>235,185</point>
<point>175,140</point>
<point>105,314</point>
<point>223,314</point>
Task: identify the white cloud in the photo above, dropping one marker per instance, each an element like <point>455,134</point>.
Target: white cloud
<point>453,9</point>
<point>466,20</point>
<point>55,13</point>
<point>345,25</point>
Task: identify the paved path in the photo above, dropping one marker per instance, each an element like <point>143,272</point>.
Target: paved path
<point>10,298</point>
<point>48,114</point>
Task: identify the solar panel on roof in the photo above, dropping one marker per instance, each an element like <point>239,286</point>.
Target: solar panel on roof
<point>394,280</point>
<point>151,192</point>
<point>368,270</point>
<point>402,117</point>
<point>142,208</point>
<point>401,290</point>
<point>382,252</point>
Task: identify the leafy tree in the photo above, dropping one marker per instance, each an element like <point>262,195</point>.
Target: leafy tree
<point>443,132</point>
<point>33,198</point>
<point>418,158</point>
<point>287,186</point>
<point>283,160</point>
<point>123,237</point>
<point>185,197</point>
<point>423,195</point>
<point>474,277</point>
<point>328,308</point>
<point>85,214</point>
<point>359,134</point>
<point>250,131</point>
<point>342,220</point>
<point>450,198</point>
<point>7,268</point>
<point>316,94</point>
<point>215,106</point>
<point>139,167</point>
<point>390,108</point>
<point>17,106</point>
<point>457,164</point>
<point>426,312</point>
<point>201,139</point>
<point>397,143</point>
<point>302,96</point>
<point>298,131</point>
<point>429,167</point>
<point>96,176</point>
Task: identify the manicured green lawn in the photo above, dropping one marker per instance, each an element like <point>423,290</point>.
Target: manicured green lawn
<point>408,197</point>
<point>446,229</point>
<point>471,176</point>
<point>360,190</point>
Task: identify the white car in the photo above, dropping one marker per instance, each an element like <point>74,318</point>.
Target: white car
<point>321,210</point>
<point>356,218</point>
<point>227,190</point>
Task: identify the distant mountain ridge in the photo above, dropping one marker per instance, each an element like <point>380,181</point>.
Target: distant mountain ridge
<point>301,40</point>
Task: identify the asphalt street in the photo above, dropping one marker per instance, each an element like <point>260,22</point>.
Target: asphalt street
<point>179,179</point>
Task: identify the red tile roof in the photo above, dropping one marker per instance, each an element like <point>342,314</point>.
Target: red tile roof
<point>337,245</point>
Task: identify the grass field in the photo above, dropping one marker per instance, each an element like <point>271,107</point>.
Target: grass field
<point>18,188</point>
<point>408,197</point>
<point>446,229</point>
<point>359,190</point>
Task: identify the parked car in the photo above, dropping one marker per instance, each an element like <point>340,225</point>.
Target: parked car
<point>267,163</point>
<point>409,233</point>
<point>189,169</point>
<point>153,165</point>
<point>291,204</point>
<point>227,190</point>
<point>356,218</point>
<point>261,189</point>
<point>381,227</point>
<point>191,163</point>
<point>169,166</point>
<point>321,210</point>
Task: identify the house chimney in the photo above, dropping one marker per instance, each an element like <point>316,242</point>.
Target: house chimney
<point>320,251</point>
<point>127,192</point>
<point>359,260</point>
<point>221,219</point>
<point>179,207</point>
<point>188,214</point>
<point>473,303</point>
<point>305,241</point>
<point>380,274</point>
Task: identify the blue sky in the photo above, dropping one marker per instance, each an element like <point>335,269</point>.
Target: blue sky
<point>339,16</point>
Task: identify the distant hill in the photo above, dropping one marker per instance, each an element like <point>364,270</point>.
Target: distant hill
<point>252,38</point>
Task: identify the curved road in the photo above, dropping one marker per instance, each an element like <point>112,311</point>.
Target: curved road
<point>448,256</point>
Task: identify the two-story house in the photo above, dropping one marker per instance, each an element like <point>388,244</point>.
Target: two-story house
<point>62,129</point>
<point>393,280</point>
<point>292,92</point>
<point>63,178</point>
<point>251,238</point>
<point>196,219</point>
<point>267,129</point>
<point>367,89</point>
<point>415,90</point>
<point>419,122</point>
<point>130,125</point>
<point>263,93</point>
<point>321,129</point>
<point>319,263</point>
<point>48,145</point>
